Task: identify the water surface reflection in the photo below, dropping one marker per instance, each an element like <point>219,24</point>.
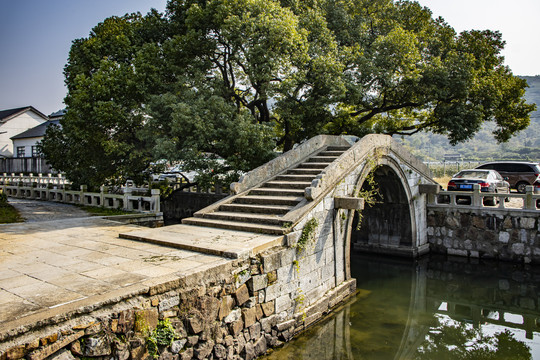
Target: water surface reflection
<point>430,309</point>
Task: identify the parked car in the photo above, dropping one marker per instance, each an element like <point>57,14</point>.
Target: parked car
<point>177,173</point>
<point>489,180</point>
<point>519,174</point>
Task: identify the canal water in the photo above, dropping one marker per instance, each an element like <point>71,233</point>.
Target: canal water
<point>432,308</point>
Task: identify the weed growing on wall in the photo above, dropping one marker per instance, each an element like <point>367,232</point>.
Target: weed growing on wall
<point>308,234</point>
<point>163,335</point>
<point>371,192</point>
<point>299,301</point>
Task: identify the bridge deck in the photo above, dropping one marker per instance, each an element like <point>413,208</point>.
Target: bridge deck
<point>50,268</point>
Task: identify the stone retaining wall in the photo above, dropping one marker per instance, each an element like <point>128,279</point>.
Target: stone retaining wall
<point>214,315</point>
<point>491,234</point>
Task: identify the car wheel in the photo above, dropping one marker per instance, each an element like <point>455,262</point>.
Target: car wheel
<point>521,187</point>
<point>489,201</point>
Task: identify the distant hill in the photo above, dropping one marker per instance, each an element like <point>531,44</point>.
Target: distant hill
<point>524,146</point>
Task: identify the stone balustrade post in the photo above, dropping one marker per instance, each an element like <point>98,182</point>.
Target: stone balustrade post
<point>476,197</point>
<point>155,205</point>
<point>84,188</point>
<point>529,201</point>
<point>102,191</point>
<point>127,203</point>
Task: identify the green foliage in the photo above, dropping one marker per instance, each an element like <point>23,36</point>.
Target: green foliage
<point>307,235</point>
<point>370,191</point>
<point>524,145</point>
<point>103,211</point>
<point>220,84</point>
<point>207,134</point>
<point>299,301</point>
<point>165,189</point>
<point>163,335</point>
<point>8,214</point>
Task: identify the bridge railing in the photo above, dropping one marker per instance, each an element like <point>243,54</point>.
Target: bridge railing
<point>477,199</point>
<point>127,201</point>
<point>365,148</point>
<point>285,161</point>
<point>38,180</point>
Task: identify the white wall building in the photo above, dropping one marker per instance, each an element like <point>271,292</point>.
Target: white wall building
<point>14,122</point>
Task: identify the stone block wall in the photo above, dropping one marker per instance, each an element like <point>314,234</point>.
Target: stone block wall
<point>491,234</point>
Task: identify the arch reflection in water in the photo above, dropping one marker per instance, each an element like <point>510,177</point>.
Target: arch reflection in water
<point>429,309</point>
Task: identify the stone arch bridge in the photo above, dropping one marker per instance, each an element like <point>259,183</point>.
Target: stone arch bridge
<point>297,218</point>
<point>300,215</point>
<point>327,178</point>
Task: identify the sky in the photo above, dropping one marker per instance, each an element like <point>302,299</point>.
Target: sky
<point>35,37</point>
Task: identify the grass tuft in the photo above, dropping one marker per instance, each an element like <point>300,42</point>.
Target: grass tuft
<point>9,215</point>
<point>102,211</point>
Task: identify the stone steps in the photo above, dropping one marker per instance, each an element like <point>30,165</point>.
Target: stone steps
<point>269,200</point>
<point>277,192</point>
<point>235,225</point>
<point>313,165</point>
<point>334,153</point>
<point>266,219</point>
<point>270,208</point>
<point>288,185</point>
<point>303,171</point>
<point>263,208</point>
<point>322,159</point>
<point>296,177</point>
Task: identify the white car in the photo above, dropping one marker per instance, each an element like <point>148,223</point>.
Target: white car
<point>176,174</point>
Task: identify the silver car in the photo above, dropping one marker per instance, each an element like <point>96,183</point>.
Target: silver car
<point>490,181</point>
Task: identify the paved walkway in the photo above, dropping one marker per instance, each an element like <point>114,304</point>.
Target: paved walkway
<point>49,267</point>
<point>35,210</point>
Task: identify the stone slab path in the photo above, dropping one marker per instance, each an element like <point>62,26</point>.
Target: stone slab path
<point>228,243</point>
<point>34,210</point>
<point>53,265</point>
<point>48,268</point>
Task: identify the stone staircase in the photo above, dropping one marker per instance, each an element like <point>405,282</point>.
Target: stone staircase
<point>262,209</point>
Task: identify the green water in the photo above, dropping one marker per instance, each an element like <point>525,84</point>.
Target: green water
<point>429,309</point>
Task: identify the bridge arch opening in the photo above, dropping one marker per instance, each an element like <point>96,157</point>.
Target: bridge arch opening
<point>388,224</point>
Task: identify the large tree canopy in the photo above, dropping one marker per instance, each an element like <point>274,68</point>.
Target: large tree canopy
<point>235,78</point>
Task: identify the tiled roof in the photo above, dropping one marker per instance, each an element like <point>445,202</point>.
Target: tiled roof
<point>5,115</point>
<point>58,114</point>
<point>37,131</point>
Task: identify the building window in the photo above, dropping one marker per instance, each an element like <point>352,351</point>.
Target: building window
<point>35,151</point>
<point>20,151</point>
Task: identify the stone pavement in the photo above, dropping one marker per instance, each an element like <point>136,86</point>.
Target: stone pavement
<point>228,243</point>
<point>53,265</point>
<point>35,210</point>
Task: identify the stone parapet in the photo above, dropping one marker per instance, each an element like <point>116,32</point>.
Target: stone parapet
<point>510,235</point>
<point>285,161</point>
<point>369,148</point>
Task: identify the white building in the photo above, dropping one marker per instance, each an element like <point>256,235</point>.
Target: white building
<point>25,143</point>
<point>14,122</point>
